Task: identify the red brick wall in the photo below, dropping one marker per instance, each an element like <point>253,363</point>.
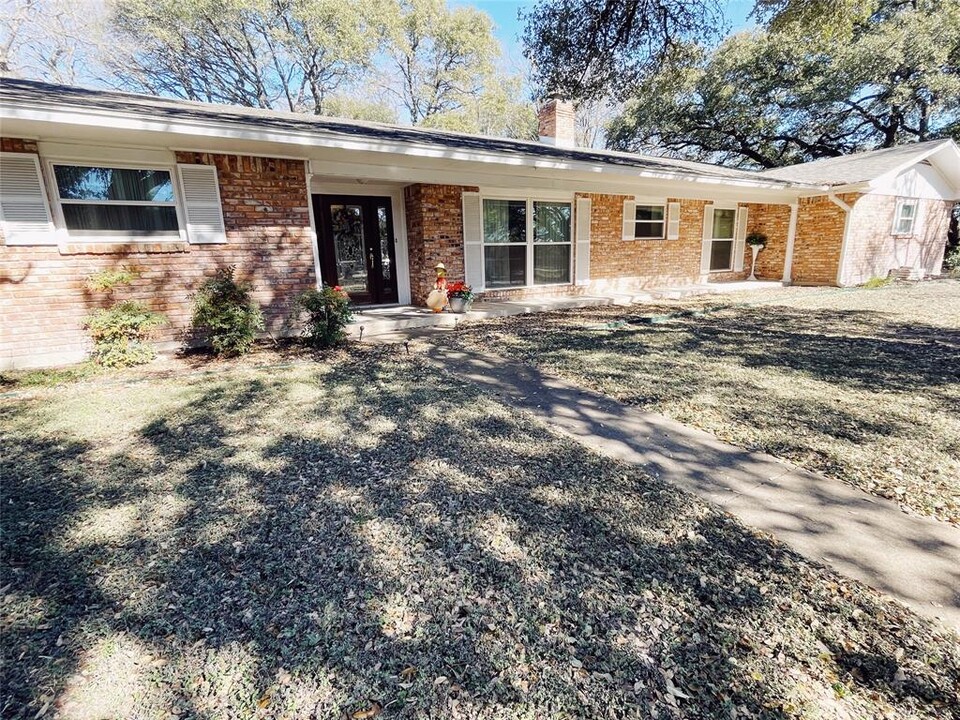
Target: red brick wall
<point>816,250</point>
<point>434,234</point>
<point>434,224</point>
<point>8,144</point>
<point>43,298</point>
<point>615,262</point>
<point>873,250</point>
<point>774,222</point>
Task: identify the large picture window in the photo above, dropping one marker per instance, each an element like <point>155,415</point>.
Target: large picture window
<point>123,202</point>
<point>526,242</point>
<point>721,245</point>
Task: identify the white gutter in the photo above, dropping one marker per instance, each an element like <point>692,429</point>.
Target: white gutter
<point>318,138</point>
<point>314,240</point>
<point>847,209</point>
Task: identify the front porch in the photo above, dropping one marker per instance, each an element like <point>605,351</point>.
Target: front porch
<point>385,321</point>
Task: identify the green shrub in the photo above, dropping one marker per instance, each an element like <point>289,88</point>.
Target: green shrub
<point>877,282</point>
<point>106,281</point>
<point>951,262</point>
<point>121,334</point>
<point>225,314</point>
<point>327,313</point>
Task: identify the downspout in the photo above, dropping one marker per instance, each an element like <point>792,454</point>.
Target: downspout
<point>313,226</point>
<point>847,209</point>
<point>791,239</point>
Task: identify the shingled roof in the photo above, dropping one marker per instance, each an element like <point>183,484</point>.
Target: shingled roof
<point>38,94</point>
<point>858,168</point>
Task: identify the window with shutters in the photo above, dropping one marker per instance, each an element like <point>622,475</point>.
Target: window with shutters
<point>650,222</point>
<point>526,242</point>
<point>116,202</point>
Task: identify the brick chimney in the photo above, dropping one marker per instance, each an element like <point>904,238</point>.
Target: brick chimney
<point>557,122</point>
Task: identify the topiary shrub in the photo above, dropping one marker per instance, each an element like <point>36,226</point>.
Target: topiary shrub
<point>226,315</point>
<point>121,334</point>
<point>327,313</point>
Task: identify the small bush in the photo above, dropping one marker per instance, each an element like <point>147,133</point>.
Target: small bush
<point>106,281</point>
<point>951,263</point>
<point>327,313</point>
<point>121,334</point>
<point>877,282</point>
<point>225,313</point>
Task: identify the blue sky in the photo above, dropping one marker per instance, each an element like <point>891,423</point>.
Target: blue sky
<point>504,14</point>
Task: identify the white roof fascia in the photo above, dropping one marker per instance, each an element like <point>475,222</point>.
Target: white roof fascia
<point>131,121</point>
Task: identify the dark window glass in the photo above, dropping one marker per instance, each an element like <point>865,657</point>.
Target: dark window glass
<point>97,183</point>
<point>136,220</point>
<point>505,265</point>
<point>551,264</point>
<point>551,222</point>
<point>504,221</point>
<point>721,252</point>
<point>649,230</point>
<point>723,222</point>
<point>649,212</point>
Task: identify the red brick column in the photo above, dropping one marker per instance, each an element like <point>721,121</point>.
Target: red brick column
<point>434,234</point>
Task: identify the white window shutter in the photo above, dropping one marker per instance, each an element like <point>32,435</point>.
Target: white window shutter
<point>472,241</point>
<point>201,203</point>
<point>673,221</point>
<point>24,210</point>
<point>740,239</point>
<point>584,206</point>
<point>707,237</point>
<point>629,220</point>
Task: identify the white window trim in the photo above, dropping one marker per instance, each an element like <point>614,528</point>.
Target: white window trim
<point>530,243</point>
<point>732,240</point>
<point>63,233</point>
<point>663,223</point>
<point>897,218</point>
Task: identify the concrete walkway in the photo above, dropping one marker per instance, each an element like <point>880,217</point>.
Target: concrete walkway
<point>912,558</point>
<point>390,319</point>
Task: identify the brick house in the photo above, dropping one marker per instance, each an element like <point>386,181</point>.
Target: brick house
<point>92,180</point>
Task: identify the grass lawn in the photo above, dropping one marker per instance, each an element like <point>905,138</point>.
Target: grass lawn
<point>860,385</point>
<point>364,535</point>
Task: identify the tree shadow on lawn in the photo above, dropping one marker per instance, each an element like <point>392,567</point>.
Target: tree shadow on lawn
<point>422,526</point>
<point>855,347</point>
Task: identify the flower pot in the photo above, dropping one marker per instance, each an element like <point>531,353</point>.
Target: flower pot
<point>460,305</point>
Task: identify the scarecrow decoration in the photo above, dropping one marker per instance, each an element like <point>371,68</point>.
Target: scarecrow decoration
<point>437,299</point>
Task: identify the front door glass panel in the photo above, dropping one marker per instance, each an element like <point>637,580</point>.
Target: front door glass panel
<point>349,247</point>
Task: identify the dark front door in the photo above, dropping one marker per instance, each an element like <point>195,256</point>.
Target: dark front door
<point>357,246</point>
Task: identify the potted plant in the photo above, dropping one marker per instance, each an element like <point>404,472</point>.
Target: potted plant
<point>460,296</point>
<point>757,241</point>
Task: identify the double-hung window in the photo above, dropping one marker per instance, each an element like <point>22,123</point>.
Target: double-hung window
<point>526,242</point>
<point>905,217</point>
<point>721,239</point>
<point>650,222</point>
<point>121,202</point>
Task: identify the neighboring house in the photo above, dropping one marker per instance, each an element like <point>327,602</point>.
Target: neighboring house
<point>92,180</point>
